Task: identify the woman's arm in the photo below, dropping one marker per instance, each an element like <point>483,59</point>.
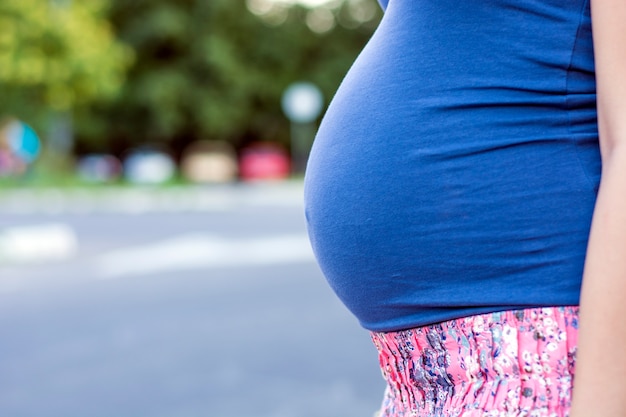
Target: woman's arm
<point>600,380</point>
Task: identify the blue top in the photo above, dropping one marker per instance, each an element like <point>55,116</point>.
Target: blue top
<point>457,167</point>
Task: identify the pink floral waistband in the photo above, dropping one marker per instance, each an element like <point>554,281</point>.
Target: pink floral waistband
<point>504,364</point>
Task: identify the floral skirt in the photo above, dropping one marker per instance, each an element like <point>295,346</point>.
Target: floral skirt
<point>504,364</point>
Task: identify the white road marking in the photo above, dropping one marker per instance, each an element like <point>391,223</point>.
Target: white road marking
<point>197,251</point>
<point>37,243</point>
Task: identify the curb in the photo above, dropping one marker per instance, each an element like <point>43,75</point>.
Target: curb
<point>140,200</point>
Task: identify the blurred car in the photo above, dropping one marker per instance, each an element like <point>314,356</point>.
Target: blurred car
<point>99,168</point>
<point>209,162</point>
<point>149,166</point>
<point>264,161</point>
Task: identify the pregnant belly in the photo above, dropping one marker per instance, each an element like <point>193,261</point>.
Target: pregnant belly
<point>431,173</point>
<point>412,203</point>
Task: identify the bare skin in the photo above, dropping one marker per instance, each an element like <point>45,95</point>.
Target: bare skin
<point>600,381</point>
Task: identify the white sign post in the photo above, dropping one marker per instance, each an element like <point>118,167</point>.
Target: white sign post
<point>302,103</point>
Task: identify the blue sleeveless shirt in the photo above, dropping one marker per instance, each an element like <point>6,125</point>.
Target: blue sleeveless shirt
<point>456,169</point>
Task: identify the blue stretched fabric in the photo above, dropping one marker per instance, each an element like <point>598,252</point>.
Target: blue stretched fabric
<point>456,169</point>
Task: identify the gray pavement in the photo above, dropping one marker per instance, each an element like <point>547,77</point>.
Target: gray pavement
<point>173,303</point>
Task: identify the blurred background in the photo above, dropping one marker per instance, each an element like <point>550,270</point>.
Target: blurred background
<point>153,254</point>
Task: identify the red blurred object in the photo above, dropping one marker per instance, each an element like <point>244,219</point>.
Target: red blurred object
<point>264,161</point>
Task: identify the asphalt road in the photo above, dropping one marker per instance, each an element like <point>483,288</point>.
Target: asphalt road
<point>185,303</point>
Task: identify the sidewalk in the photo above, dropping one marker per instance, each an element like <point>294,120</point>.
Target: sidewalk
<point>138,200</point>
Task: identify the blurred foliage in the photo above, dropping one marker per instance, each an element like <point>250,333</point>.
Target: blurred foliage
<point>134,72</point>
<point>56,55</point>
<point>210,69</point>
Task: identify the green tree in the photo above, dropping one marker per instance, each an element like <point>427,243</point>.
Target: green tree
<point>55,55</point>
<point>211,69</point>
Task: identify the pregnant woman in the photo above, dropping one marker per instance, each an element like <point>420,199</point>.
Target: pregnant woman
<point>466,192</point>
